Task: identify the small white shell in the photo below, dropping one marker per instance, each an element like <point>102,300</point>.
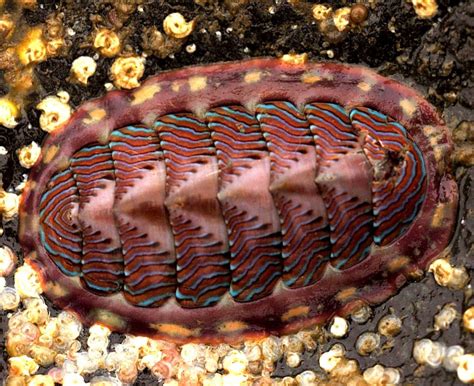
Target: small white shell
<point>235,362</point>
<point>9,112</point>
<point>126,72</point>
<point>9,299</point>
<point>362,314</point>
<point>428,352</point>
<point>9,203</point>
<point>83,68</point>
<point>445,317</point>
<point>28,155</point>
<point>27,282</point>
<point>453,355</point>
<point>339,327</point>
<point>55,113</point>
<point>389,325</point>
<point>176,26</point>
<point>367,343</point>
<point>468,319</point>
<point>425,9</point>
<point>293,359</point>
<point>8,260</point>
<point>330,359</point>
<point>466,368</point>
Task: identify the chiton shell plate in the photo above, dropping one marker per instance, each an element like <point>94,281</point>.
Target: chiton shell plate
<point>239,199</point>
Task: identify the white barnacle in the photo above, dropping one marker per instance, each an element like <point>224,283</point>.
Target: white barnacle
<point>452,358</point>
<point>367,343</point>
<point>9,203</point>
<point>445,317</point>
<point>330,359</point>
<point>127,71</point>
<point>9,113</point>
<point>29,154</point>
<point>338,327</point>
<point>389,325</point>
<point>107,42</point>
<point>176,26</point>
<point>83,68</point>
<point>468,319</point>
<point>23,365</point>
<point>235,362</point>
<point>55,113</point>
<point>448,276</point>
<point>9,299</point>
<point>425,9</point>
<point>8,260</point>
<point>27,282</point>
<point>427,352</point>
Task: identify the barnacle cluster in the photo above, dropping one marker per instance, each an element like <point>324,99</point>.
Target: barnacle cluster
<point>434,354</point>
<point>340,19</point>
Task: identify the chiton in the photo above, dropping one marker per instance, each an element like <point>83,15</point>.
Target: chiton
<point>239,199</point>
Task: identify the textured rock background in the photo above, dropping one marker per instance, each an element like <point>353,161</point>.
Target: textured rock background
<point>431,55</point>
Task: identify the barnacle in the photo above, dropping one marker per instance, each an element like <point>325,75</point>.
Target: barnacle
<point>321,12</point>
<point>126,71</point>
<point>339,327</point>
<point>9,299</point>
<point>448,276</point>
<point>176,26</point>
<point>28,155</point>
<point>83,68</point>
<point>427,352</point>
<point>367,343</point>
<point>452,358</point>
<point>32,49</point>
<point>22,365</point>
<point>107,42</point>
<point>468,319</point>
<point>56,112</point>
<point>341,18</point>
<point>465,368</point>
<point>9,203</point>
<point>389,325</point>
<point>7,27</point>
<point>329,360</point>
<point>9,112</point>
<point>27,282</point>
<point>8,260</point>
<point>425,9</point>
<point>379,375</point>
<point>235,362</point>
<point>445,317</point>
